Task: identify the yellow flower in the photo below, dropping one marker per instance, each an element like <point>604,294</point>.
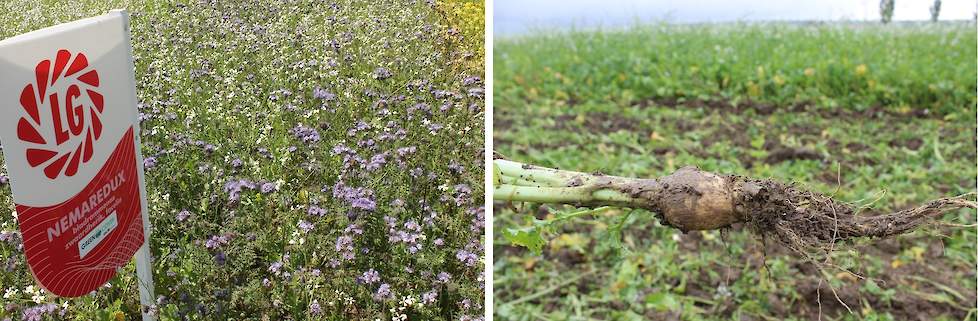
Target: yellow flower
<point>861,70</point>
<point>760,71</point>
<point>778,80</point>
<point>753,89</point>
<point>809,72</point>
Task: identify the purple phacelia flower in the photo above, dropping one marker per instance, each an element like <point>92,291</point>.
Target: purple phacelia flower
<point>360,126</point>
<point>37,313</point>
<point>216,241</point>
<point>268,187</point>
<point>305,134</point>
<point>316,211</point>
<point>479,221</point>
<point>344,245</point>
<point>276,268</point>
<point>404,151</point>
<point>305,226</point>
<point>422,107</point>
<point>148,163</point>
<point>383,292</point>
<point>382,73</point>
<point>377,161</point>
<point>183,215</point>
<point>353,228</point>
<point>320,93</point>
<point>443,277</point>
<point>469,81</point>
<point>264,152</point>
<point>234,187</point>
<point>456,168</point>
<point>470,259</point>
<point>314,308</point>
<point>429,297</point>
<point>358,197</point>
<point>441,94</point>
<point>412,225</point>
<point>370,277</point>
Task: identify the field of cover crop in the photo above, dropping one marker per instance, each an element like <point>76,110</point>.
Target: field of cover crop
<point>882,117</point>
<point>305,160</point>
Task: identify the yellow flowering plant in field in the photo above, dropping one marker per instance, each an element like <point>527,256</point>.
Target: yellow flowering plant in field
<point>466,19</point>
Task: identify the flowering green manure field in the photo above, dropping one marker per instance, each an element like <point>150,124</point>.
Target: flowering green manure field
<point>882,117</point>
<point>305,160</point>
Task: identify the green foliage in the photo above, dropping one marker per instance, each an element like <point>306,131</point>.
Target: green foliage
<point>223,85</point>
<point>854,66</point>
<point>532,236</point>
<point>577,101</point>
<point>528,237</point>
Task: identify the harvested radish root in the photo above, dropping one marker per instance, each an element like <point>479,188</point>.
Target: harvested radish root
<point>691,199</point>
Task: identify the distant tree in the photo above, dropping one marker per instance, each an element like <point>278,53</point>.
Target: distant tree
<point>886,10</point>
<point>935,10</point>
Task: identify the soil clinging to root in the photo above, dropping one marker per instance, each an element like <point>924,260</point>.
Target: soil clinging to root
<point>692,199</point>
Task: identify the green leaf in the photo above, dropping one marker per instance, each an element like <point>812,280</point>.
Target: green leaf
<point>663,301</point>
<point>614,234</point>
<point>528,237</point>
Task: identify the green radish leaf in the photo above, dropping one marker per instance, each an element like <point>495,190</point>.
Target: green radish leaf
<point>528,237</point>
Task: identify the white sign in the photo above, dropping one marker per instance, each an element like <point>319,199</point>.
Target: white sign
<point>70,134</point>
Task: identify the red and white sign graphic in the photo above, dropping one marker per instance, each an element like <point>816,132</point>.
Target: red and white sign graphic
<point>70,142</point>
<point>34,95</point>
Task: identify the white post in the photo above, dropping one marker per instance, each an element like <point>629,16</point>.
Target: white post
<point>144,273</point>
<point>144,257</point>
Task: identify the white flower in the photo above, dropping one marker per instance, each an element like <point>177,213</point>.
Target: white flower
<point>38,298</point>
<point>10,293</point>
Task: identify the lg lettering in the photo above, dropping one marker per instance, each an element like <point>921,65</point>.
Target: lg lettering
<point>68,111</point>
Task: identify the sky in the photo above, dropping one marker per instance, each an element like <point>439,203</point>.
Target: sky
<point>518,16</point>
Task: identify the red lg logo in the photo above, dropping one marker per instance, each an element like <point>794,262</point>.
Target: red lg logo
<point>65,92</point>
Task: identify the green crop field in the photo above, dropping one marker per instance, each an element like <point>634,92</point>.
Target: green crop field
<point>305,160</point>
<point>882,117</point>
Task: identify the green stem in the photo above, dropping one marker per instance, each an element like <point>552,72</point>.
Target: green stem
<point>527,183</point>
